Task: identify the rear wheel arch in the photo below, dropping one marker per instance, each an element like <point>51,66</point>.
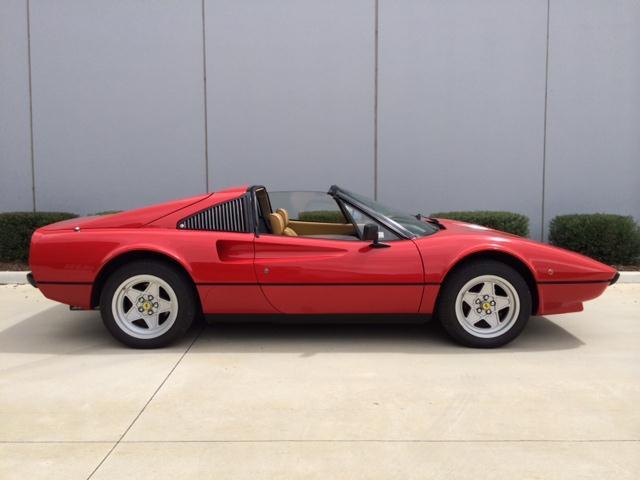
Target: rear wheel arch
<point>503,257</point>
<point>118,261</point>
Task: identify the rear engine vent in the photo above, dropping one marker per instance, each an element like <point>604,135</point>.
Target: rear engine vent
<point>231,216</point>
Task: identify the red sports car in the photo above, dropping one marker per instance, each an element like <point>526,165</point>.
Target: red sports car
<point>151,271</point>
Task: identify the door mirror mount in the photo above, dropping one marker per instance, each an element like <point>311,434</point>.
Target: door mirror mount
<point>371,232</point>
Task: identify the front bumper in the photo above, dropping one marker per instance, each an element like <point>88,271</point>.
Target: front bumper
<point>615,278</point>
<point>31,280</point>
<point>567,297</point>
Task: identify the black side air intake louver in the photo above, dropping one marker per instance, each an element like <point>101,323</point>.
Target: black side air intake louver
<point>231,216</point>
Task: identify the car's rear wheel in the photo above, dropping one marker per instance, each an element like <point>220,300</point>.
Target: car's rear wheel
<point>484,304</point>
<point>147,304</point>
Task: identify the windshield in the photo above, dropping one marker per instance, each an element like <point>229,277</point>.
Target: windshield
<point>308,206</point>
<point>410,222</point>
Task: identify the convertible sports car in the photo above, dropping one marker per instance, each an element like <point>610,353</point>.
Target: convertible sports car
<point>152,271</point>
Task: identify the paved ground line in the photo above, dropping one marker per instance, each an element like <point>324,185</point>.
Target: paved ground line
<point>380,440</point>
<point>147,403</point>
<point>325,440</point>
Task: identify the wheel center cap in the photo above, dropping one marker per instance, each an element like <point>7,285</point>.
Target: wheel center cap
<point>486,305</point>
<point>146,306</point>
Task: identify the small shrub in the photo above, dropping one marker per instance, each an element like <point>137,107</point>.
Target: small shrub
<point>16,229</point>
<point>611,239</point>
<point>325,216</point>
<point>509,222</point>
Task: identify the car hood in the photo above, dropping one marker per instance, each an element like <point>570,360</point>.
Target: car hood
<point>128,219</point>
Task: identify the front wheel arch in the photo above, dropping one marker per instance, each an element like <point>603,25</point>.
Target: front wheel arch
<point>113,264</point>
<point>502,257</point>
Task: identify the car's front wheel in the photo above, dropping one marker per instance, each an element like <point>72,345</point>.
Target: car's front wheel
<point>484,304</point>
<point>147,304</point>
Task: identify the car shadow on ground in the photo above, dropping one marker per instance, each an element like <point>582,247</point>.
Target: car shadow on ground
<point>60,331</point>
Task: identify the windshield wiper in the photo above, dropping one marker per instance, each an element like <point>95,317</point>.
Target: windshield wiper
<point>431,220</point>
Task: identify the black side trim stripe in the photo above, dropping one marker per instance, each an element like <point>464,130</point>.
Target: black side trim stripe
<point>560,282</point>
<point>318,284</point>
<point>563,282</point>
<point>572,282</point>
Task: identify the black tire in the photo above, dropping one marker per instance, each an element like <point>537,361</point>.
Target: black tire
<point>446,307</point>
<point>182,286</point>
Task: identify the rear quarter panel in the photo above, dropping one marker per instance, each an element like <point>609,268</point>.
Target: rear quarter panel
<point>64,260</point>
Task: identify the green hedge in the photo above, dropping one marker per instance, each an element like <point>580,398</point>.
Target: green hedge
<point>509,222</point>
<point>612,239</point>
<point>16,229</point>
<point>326,216</point>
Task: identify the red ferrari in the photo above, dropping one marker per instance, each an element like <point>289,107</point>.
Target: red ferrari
<point>243,250</point>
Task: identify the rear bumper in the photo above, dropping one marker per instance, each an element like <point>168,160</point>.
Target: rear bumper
<point>75,294</point>
<point>31,280</point>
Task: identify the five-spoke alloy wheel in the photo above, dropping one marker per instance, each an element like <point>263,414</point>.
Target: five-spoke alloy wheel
<point>484,304</point>
<point>147,304</point>
<point>487,306</point>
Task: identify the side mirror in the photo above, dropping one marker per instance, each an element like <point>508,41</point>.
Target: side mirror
<point>370,232</point>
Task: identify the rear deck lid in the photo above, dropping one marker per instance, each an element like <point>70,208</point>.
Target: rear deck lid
<point>128,219</point>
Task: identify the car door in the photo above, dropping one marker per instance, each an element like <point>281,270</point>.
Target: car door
<point>317,275</point>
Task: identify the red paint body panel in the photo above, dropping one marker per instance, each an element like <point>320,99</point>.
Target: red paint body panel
<point>129,219</point>
<point>344,299</point>
<point>234,299</point>
<point>79,256</point>
<point>443,250</point>
<point>242,273</point>
<point>310,275</point>
<point>77,295</point>
<point>310,260</point>
<point>429,297</point>
<point>567,297</point>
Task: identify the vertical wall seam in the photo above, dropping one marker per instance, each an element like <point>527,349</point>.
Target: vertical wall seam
<point>544,134</point>
<point>375,101</point>
<point>206,119</point>
<point>31,149</point>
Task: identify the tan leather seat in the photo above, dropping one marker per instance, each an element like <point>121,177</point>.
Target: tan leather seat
<point>285,216</point>
<point>277,223</point>
<point>280,223</point>
<point>288,231</point>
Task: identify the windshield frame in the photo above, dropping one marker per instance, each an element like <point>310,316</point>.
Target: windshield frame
<point>397,228</point>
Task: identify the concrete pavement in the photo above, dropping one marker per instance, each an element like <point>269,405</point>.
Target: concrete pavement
<point>319,401</point>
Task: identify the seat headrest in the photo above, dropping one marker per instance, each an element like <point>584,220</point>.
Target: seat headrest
<point>277,223</point>
<point>285,216</point>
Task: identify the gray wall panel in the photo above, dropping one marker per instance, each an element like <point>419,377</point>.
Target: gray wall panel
<point>462,105</point>
<point>117,102</point>
<point>593,138</point>
<point>290,93</point>
<point>15,149</point>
